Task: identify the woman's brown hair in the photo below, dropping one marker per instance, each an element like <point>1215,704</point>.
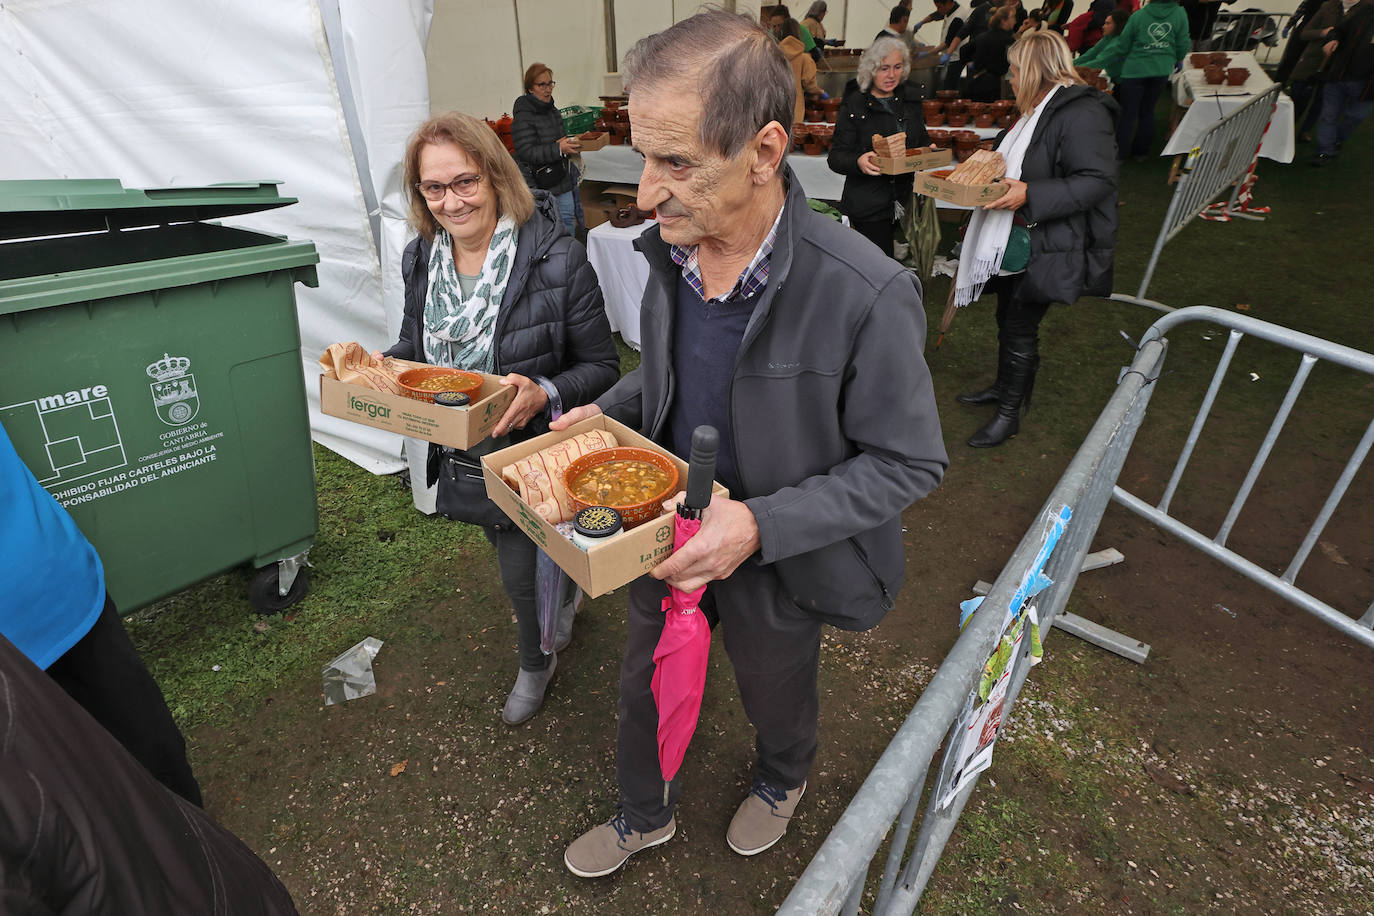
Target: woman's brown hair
<point>532,74</point>
<point>480,144</point>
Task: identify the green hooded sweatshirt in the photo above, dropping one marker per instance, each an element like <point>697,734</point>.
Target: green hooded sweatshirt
<point>1101,57</point>
<point>1154,40</point>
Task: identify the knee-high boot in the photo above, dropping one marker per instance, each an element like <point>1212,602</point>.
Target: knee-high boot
<point>1017,361</point>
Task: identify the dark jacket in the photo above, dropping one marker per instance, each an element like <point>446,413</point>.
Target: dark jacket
<point>552,323</point>
<point>1070,173</point>
<point>870,197</point>
<point>1314,55</point>
<point>1353,59</point>
<point>989,64</point>
<point>84,828</point>
<point>1061,24</point>
<point>535,129</point>
<point>831,409</point>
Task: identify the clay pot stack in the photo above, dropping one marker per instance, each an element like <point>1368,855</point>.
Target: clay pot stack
<point>1214,74</point>
<point>966,143</point>
<point>1236,76</point>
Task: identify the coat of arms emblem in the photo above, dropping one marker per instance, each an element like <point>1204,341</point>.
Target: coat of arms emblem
<point>174,390</point>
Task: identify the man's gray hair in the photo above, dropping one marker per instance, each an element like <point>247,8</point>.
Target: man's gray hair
<point>873,55</point>
<point>734,66</point>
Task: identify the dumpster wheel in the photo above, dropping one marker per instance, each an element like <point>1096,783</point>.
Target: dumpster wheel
<point>264,594</point>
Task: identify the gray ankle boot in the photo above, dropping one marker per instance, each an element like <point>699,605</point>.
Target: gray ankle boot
<point>527,696</point>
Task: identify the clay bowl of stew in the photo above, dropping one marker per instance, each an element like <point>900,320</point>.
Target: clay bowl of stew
<point>424,383</point>
<point>632,481</point>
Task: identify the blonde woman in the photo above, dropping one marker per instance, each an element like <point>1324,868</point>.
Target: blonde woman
<point>1051,236</point>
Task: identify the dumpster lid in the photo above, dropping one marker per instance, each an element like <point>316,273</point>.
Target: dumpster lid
<point>66,206</point>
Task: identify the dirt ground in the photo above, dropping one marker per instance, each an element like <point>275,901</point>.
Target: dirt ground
<point>1232,772</point>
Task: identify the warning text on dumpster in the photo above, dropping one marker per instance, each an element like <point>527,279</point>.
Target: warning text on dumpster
<point>72,443</point>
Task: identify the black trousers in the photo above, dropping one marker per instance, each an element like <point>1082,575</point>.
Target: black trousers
<point>880,232</point>
<point>774,648</point>
<point>104,673</point>
<point>1016,318</point>
<point>516,559</point>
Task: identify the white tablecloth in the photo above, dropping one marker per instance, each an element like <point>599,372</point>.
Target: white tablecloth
<point>623,272</point>
<point>1208,104</point>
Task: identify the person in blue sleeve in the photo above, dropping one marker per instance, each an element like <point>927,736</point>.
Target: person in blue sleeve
<point>54,608</point>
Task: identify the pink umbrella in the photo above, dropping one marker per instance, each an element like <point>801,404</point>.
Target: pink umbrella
<point>680,656</point>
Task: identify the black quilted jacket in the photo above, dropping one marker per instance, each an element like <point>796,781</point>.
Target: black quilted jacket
<point>535,129</point>
<point>552,321</point>
<point>1071,178</point>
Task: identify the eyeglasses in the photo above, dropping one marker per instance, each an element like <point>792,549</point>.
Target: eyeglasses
<point>462,186</point>
<point>549,84</point>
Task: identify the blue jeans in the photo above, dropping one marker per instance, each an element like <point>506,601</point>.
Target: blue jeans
<point>1342,111</point>
<point>1135,126</point>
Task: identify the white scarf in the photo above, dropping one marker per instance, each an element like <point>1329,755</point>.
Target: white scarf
<point>459,331</point>
<point>985,241</point>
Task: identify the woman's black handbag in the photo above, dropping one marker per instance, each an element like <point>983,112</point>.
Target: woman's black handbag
<point>462,494</point>
<point>551,175</point>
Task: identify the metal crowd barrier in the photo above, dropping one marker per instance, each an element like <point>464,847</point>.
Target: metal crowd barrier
<point>887,802</point>
<point>1252,30</point>
<point>1225,152</point>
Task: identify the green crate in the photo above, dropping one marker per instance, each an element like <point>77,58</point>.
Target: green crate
<point>153,378</point>
<point>578,119</point>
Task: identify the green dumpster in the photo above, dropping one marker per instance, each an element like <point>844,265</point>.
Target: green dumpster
<point>152,379</point>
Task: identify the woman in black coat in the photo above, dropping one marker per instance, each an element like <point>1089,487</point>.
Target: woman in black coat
<point>541,149</point>
<point>493,284</point>
<point>989,63</point>
<point>1062,197</point>
<point>885,105</point>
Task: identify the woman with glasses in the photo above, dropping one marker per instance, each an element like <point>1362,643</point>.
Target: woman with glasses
<point>542,150</point>
<point>493,284</point>
<point>885,105</point>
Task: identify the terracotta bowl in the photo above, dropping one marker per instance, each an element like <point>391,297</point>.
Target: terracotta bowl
<point>831,104</point>
<point>1236,76</point>
<point>965,148</point>
<point>1200,60</point>
<point>1007,119</point>
<point>967,135</point>
<point>940,138</point>
<point>986,119</point>
<point>468,383</point>
<point>1219,57</point>
<point>932,106</point>
<point>811,147</point>
<point>634,513</point>
<point>832,116</point>
<point>947,94</point>
<point>957,120</point>
<point>935,120</point>
<point>957,106</point>
<point>976,108</point>
<point>1214,75</point>
<point>1001,105</point>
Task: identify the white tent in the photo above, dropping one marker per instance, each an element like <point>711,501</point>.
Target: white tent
<point>319,94</point>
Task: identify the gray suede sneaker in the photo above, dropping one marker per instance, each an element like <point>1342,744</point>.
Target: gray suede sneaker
<point>605,847</point>
<point>527,696</point>
<point>762,818</point>
<point>562,636</point>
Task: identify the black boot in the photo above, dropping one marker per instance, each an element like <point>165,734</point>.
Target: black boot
<point>989,395</point>
<point>1017,361</point>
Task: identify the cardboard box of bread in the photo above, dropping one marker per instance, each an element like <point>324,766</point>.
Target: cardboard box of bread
<point>525,481</point>
<point>356,387</point>
<point>893,158</point>
<point>975,181</point>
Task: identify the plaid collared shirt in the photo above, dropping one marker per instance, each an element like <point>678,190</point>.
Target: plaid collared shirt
<point>751,280</point>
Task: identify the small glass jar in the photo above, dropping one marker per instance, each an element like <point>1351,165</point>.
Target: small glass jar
<point>452,399</point>
<point>594,524</point>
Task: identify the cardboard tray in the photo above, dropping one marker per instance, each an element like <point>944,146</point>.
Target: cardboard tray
<point>621,558</point>
<point>456,427</point>
<point>931,160</point>
<point>965,195</point>
<point>591,145</point>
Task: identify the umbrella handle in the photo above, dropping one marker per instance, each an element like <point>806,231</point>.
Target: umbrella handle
<point>701,470</point>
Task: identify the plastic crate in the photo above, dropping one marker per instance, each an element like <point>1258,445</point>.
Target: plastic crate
<point>578,119</point>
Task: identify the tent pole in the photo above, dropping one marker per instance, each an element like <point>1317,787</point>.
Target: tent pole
<point>519,45</point>
<point>608,18</point>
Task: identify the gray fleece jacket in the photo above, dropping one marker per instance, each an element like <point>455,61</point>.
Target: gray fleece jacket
<point>832,412</point>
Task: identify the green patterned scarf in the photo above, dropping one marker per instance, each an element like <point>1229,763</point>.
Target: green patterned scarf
<point>460,332</point>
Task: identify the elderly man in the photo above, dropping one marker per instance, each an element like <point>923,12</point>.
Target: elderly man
<point>801,343</point>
